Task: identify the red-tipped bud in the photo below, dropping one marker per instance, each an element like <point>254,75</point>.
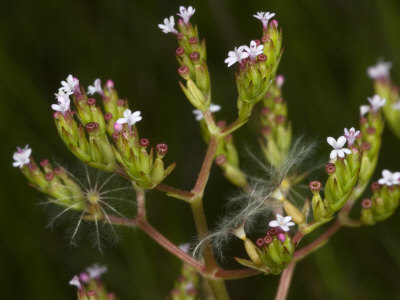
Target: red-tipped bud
<point>116,135</point>
<point>194,56</point>
<point>265,110</point>
<point>193,40</point>
<point>315,186</point>
<point>108,116</point>
<point>278,99</point>
<point>260,242</point>
<point>91,101</point>
<point>91,293</point>
<point>365,146</point>
<point>44,163</point>
<point>274,23</point>
<point>258,42</point>
<point>375,186</point>
<point>180,36</point>
<point>366,204</point>
<point>330,168</point>
<point>120,102</point>
<point>144,142</point>
<point>262,58</point>
<point>161,149</point>
<point>221,124</point>
<point>281,237</point>
<point>180,51</point>
<point>265,38</point>
<point>49,176</point>
<point>92,127</point>
<point>220,160</point>
<point>371,130</point>
<point>267,239</point>
<point>280,119</point>
<point>265,130</point>
<point>273,231</point>
<point>59,171</point>
<point>183,71</point>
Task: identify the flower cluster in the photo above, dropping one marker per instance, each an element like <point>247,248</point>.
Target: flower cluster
<point>90,286</point>
<point>169,24</point>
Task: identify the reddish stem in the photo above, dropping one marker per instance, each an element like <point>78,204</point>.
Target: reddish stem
<point>235,274</point>
<point>206,166</point>
<point>284,282</point>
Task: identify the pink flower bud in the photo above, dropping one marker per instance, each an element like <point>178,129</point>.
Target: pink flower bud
<point>144,142</point>
<point>315,186</point>
<point>260,242</point>
<point>195,56</point>
<point>366,204</point>
<point>281,237</point>
<point>108,116</point>
<point>91,101</point>
<point>120,102</point>
<point>193,40</point>
<point>267,239</point>
<point>49,176</point>
<point>118,127</point>
<point>161,149</point>
<point>330,168</point>
<point>180,51</point>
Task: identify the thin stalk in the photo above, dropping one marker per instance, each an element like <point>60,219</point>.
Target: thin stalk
<point>284,282</point>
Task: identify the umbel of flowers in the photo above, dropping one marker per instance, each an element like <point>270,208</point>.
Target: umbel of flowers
<point>87,131</point>
<point>384,201</point>
<point>385,88</point>
<point>258,63</point>
<point>273,252</point>
<point>343,172</point>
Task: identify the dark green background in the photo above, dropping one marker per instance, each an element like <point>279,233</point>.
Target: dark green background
<point>328,46</point>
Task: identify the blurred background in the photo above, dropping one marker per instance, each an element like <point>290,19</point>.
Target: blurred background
<point>328,46</point>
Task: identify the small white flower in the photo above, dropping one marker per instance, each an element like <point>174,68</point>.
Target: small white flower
<point>254,50</point>
<point>185,247</point>
<point>364,109</point>
<point>396,106</point>
<point>380,70</point>
<point>351,135</point>
<point>63,102</point>
<point>185,14</point>
<point>199,115</point>
<point>69,85</point>
<point>389,178</point>
<point>236,56</point>
<point>21,156</point>
<point>264,17</point>
<point>168,25</point>
<point>282,222</point>
<point>376,102</point>
<point>75,281</point>
<point>96,271</point>
<point>129,118</point>
<point>95,88</point>
<point>338,150</point>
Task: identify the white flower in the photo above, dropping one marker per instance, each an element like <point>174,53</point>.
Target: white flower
<point>364,109</point>
<point>95,88</point>
<point>389,178</point>
<point>63,102</point>
<point>338,150</point>
<point>185,247</point>
<point>21,156</point>
<point>75,281</point>
<point>199,115</point>
<point>96,271</point>
<point>69,85</point>
<point>380,70</point>
<point>282,222</point>
<point>168,25</point>
<point>376,102</point>
<point>185,14</point>
<point>129,118</point>
<point>396,106</point>
<point>236,56</point>
<point>351,135</point>
<point>254,50</point>
<point>264,17</point>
